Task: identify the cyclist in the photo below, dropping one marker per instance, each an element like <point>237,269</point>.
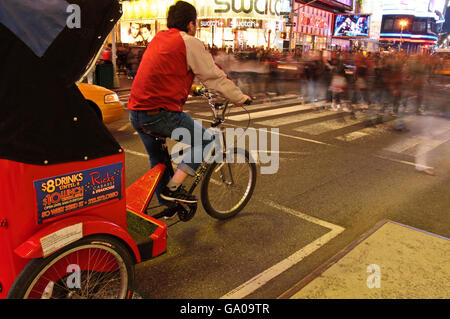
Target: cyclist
<point>161,87</point>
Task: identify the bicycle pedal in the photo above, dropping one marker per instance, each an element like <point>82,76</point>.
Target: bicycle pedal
<point>187,211</point>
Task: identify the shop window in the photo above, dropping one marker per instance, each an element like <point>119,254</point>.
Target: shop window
<point>388,25</point>
<point>431,26</point>
<point>419,27</point>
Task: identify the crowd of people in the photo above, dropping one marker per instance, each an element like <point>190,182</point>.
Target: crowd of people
<point>338,80</point>
<point>348,81</point>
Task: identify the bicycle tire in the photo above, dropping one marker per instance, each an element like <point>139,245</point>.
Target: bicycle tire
<point>207,194</point>
<point>29,284</point>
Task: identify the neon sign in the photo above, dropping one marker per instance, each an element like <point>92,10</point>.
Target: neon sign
<point>258,6</point>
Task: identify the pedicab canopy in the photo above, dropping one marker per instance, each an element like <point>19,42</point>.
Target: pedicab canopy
<point>45,47</point>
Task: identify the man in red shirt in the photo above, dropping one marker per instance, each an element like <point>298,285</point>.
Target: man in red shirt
<point>161,87</point>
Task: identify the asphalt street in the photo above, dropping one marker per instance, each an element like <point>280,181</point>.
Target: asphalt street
<point>336,179</point>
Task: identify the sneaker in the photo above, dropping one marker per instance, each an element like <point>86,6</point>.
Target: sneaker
<point>170,212</point>
<point>178,195</point>
<point>335,107</point>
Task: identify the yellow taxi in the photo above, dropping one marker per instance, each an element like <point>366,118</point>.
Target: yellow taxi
<point>104,100</point>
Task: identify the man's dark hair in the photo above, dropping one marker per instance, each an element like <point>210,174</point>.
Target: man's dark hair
<point>180,14</point>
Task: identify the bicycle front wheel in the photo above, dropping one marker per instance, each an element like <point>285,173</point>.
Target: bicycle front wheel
<point>228,186</point>
<point>97,267</point>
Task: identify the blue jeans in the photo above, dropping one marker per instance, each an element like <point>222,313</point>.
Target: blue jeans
<point>178,126</point>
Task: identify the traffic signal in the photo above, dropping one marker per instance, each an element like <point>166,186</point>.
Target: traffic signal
<point>283,35</point>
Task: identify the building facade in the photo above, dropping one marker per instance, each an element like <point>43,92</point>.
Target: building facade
<point>409,24</point>
<point>232,23</point>
<point>313,24</point>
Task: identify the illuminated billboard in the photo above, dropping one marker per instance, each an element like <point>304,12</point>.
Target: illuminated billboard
<point>258,9</point>
<point>352,25</point>
<point>344,4</point>
<point>339,4</point>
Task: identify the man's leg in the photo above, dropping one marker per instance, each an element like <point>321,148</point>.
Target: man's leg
<point>201,143</point>
<point>140,121</point>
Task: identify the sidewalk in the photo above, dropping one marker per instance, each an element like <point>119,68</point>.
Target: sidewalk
<point>392,261</point>
<point>124,84</point>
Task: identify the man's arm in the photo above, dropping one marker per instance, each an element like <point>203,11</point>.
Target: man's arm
<point>202,65</point>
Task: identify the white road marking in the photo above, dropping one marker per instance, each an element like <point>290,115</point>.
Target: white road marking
<point>403,144</point>
<point>426,145</point>
<point>255,153</point>
<point>404,162</point>
<point>286,120</point>
<point>324,127</point>
<point>356,135</point>
<point>352,136</point>
<point>284,110</point>
<point>301,138</point>
<point>285,135</point>
<point>368,131</point>
<point>256,107</point>
<point>261,279</point>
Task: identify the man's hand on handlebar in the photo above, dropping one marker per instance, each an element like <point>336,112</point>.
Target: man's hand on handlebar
<point>248,100</point>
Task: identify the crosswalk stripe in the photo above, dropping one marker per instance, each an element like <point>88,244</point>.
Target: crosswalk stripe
<point>256,115</point>
<point>368,131</point>
<point>287,120</point>
<point>426,145</point>
<point>352,136</point>
<point>253,107</point>
<point>404,144</point>
<point>324,127</point>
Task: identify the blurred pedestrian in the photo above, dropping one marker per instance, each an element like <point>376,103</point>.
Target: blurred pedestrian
<point>132,62</point>
<point>338,84</point>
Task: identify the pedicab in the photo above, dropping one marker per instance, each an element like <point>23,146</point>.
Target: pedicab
<point>69,228</point>
<point>63,210</point>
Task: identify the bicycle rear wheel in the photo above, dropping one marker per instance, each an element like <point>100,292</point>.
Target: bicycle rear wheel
<point>228,186</point>
<point>104,270</point>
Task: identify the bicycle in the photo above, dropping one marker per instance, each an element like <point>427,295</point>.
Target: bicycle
<point>217,177</point>
<point>92,253</point>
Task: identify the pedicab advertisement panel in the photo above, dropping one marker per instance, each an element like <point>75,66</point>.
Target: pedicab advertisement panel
<point>67,193</point>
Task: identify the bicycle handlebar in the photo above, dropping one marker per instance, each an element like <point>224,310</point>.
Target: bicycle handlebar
<point>216,106</point>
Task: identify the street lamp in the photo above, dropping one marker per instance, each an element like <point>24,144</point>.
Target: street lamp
<point>403,24</point>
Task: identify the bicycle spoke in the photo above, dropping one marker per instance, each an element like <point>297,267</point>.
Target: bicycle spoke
<point>103,274</point>
<point>230,184</point>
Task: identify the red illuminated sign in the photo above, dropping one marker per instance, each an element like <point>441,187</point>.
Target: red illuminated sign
<point>313,21</point>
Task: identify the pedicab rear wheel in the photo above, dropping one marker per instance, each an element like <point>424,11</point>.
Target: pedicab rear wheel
<point>95,267</point>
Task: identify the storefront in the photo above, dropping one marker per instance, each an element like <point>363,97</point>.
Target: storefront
<point>412,26</point>
<point>232,23</point>
<point>313,28</point>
